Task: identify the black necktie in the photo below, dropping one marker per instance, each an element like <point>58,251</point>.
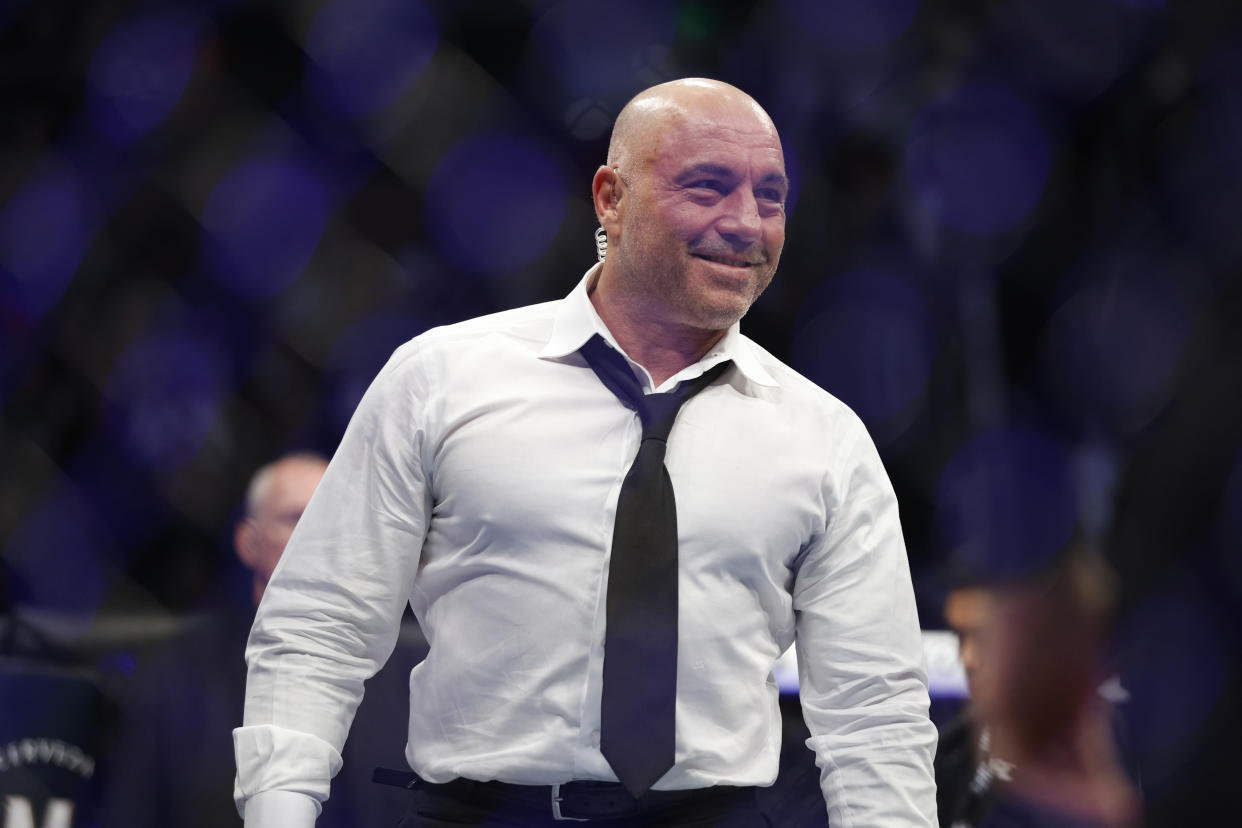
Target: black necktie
<point>637,712</point>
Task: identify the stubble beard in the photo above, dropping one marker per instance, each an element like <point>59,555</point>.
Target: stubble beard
<point>662,278</point>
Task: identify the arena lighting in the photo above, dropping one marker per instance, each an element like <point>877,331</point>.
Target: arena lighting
<point>164,395</point>
<point>1072,48</point>
<point>263,222</point>
<point>359,354</point>
<point>978,159</point>
<point>366,53</point>
<point>139,73</point>
<point>57,555</point>
<point>44,229</point>
<point>1114,348</point>
<point>852,25</point>
<point>632,56</point>
<point>521,214</point>
<point>1006,503</point>
<point>866,336</point>
<point>1177,666</point>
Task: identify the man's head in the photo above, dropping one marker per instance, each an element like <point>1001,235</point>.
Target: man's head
<point>277,495</point>
<point>967,612</point>
<point>693,201</point>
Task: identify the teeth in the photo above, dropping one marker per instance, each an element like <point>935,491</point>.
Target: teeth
<point>721,260</point>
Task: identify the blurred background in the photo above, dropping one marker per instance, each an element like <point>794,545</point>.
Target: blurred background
<point>1014,248</point>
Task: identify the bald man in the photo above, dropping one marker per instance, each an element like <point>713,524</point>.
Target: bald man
<point>486,477</point>
<point>277,496</point>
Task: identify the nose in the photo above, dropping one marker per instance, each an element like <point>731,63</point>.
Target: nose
<point>968,649</point>
<point>741,225</point>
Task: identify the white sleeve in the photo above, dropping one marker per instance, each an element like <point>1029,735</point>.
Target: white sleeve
<point>330,615</point>
<point>281,809</point>
<point>862,681</point>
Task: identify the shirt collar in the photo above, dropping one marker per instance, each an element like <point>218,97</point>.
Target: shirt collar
<point>576,321</point>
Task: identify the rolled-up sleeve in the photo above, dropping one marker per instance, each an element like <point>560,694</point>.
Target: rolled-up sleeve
<point>330,615</point>
<point>862,681</point>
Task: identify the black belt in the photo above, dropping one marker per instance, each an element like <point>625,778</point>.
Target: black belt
<point>580,801</point>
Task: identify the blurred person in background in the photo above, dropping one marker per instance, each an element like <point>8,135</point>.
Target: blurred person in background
<point>483,481</point>
<point>275,499</point>
<point>1037,743</point>
<point>962,753</point>
<point>174,759</point>
<point>54,722</point>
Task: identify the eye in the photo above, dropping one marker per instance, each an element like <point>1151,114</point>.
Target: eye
<point>707,184</point>
<point>770,194</point>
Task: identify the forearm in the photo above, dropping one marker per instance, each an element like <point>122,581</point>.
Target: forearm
<point>280,809</point>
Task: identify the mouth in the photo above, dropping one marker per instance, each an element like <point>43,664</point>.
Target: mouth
<point>730,261</point>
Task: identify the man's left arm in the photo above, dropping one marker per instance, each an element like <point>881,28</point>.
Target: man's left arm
<point>862,680</point>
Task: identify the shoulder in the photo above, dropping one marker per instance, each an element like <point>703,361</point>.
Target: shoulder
<point>531,323</point>
<point>799,396</point>
<point>431,351</point>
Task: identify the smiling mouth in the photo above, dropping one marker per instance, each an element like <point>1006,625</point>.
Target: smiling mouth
<point>725,260</point>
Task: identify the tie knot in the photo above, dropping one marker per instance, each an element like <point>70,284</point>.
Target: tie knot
<point>658,412</point>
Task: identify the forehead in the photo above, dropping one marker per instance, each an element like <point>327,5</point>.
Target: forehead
<point>730,136</point>
<point>967,608</point>
<point>293,483</point>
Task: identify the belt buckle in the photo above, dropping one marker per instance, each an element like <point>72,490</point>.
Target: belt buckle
<point>556,807</point>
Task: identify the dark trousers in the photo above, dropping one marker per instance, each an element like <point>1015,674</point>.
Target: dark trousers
<point>440,806</point>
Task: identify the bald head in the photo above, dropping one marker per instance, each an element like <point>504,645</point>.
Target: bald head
<point>277,495</point>
<point>648,117</point>
<point>692,200</point>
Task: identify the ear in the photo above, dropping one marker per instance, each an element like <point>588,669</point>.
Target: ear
<point>243,542</point>
<point>606,194</point>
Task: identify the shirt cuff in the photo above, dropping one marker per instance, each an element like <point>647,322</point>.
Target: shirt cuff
<point>281,809</point>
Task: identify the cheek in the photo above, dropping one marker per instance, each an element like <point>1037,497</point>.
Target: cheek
<point>272,547</point>
<point>775,239</point>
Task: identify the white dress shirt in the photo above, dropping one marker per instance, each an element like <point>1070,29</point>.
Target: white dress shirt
<point>478,481</point>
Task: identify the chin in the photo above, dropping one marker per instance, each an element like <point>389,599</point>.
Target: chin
<point>718,318</point>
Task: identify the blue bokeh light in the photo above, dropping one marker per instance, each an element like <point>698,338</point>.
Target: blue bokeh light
<point>870,342</point>
<point>139,73</point>
<point>57,556</point>
<point>264,220</point>
<point>496,202</point>
<point>368,52</point>
<point>853,25</point>
<point>978,160</point>
<point>630,57</point>
<point>165,392</point>
<point>1115,347</point>
<point>44,229</point>
<point>360,353</point>
<point>1074,48</point>
<point>1006,503</point>
<point>1172,664</point>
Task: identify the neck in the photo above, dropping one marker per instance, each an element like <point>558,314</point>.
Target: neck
<point>644,330</point>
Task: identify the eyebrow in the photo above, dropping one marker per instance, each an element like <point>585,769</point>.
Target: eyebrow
<point>721,171</point>
<point>707,168</point>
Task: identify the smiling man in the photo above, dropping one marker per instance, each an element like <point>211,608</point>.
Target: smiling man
<point>611,514</point>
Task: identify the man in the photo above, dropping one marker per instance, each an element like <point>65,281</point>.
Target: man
<point>275,499</point>
<point>173,764</point>
<point>965,768</point>
<point>486,480</point>
<point>1037,745</point>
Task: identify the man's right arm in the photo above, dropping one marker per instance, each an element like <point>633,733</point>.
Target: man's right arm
<point>331,613</point>
<point>281,809</point>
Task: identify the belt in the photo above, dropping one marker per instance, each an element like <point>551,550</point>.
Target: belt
<point>579,801</point>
